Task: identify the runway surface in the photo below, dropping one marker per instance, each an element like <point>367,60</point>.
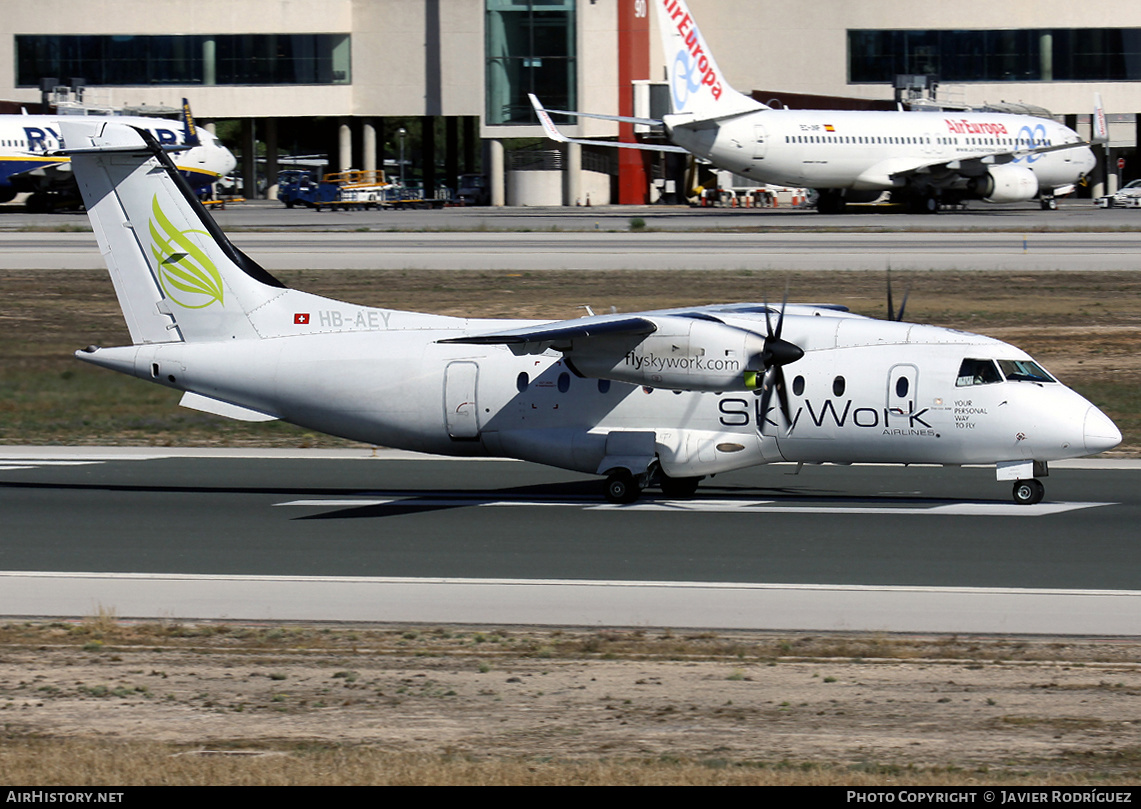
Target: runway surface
<point>396,538</point>
<point>1078,238</point>
<point>626,251</point>
<point>345,536</point>
<point>1073,214</point>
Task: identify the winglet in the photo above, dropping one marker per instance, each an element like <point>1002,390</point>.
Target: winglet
<point>1100,127</point>
<point>545,119</point>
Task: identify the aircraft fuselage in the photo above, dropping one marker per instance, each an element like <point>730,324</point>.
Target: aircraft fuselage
<point>864,391</point>
<point>870,151</point>
<point>28,144</point>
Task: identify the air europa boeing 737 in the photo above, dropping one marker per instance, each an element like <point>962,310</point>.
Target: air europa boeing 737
<point>928,158</point>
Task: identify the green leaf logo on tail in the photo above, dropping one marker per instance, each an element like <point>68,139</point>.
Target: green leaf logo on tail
<point>186,273</point>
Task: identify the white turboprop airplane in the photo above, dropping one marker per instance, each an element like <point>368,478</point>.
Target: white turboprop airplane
<point>929,158</point>
<point>653,398</point>
<point>28,162</point>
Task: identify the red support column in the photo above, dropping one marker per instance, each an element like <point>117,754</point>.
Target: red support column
<point>633,65</point>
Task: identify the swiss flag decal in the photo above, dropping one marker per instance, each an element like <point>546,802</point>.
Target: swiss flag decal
<point>301,318</point>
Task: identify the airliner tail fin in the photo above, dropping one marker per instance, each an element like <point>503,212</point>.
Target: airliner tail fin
<point>696,83</point>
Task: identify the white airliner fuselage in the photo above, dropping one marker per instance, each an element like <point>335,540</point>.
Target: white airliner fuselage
<point>29,143</point>
<point>877,151</point>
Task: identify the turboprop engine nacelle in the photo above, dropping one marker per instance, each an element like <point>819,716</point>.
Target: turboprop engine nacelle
<point>1006,183</point>
<point>683,354</point>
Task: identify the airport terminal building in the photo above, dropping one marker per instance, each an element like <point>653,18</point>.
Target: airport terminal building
<point>360,80</point>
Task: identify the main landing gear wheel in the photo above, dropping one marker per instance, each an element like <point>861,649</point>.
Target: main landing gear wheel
<point>1028,492</point>
<point>678,487</point>
<point>621,488</point>
<point>831,203</point>
<point>1049,204</point>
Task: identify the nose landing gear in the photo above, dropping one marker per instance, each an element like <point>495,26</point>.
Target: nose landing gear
<point>622,488</point>
<point>1028,492</point>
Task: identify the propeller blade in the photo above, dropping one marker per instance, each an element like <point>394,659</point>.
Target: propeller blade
<point>766,397</point>
<point>780,320</point>
<point>903,305</point>
<point>782,394</point>
<point>891,313</point>
<point>777,352</point>
<point>774,380</point>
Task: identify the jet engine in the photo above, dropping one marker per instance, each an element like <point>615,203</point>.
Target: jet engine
<point>1006,183</point>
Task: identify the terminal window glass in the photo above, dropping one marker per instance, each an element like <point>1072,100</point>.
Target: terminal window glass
<point>201,59</point>
<point>1021,55</point>
<point>529,48</point>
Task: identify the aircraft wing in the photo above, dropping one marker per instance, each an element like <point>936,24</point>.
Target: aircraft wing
<point>972,165</point>
<point>628,119</point>
<point>554,134</point>
<point>559,334</point>
<point>564,331</point>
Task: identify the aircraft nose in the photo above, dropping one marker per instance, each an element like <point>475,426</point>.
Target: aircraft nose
<point>1100,433</point>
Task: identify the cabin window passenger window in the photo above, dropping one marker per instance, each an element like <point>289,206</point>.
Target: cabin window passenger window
<point>838,386</point>
<point>977,372</point>
<point>521,382</point>
<point>798,386</point>
<point>604,386</point>
<point>901,386</point>
<point>564,382</point>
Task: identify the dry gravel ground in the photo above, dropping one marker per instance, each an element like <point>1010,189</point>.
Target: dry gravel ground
<point>989,709</point>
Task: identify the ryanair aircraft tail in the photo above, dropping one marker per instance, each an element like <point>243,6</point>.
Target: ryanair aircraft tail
<point>177,277</point>
<point>697,86</point>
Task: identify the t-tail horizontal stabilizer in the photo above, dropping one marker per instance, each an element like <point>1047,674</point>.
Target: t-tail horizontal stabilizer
<point>177,277</point>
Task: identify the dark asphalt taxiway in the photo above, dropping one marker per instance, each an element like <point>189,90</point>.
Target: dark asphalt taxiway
<point>351,517</point>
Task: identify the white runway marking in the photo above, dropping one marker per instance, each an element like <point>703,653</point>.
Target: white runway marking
<point>12,464</point>
<point>714,506</point>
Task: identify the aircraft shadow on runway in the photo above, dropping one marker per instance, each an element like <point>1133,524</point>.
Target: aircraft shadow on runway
<point>377,503</point>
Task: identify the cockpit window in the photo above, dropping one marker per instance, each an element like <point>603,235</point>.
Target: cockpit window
<point>977,372</point>
<point>1024,371</point>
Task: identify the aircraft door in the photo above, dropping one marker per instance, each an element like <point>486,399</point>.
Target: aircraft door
<point>758,142</point>
<point>461,411</point>
<point>901,389</point>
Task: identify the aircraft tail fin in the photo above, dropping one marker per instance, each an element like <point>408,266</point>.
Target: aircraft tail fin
<point>1100,133</point>
<point>697,86</point>
<point>177,277</point>
<point>189,129</point>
